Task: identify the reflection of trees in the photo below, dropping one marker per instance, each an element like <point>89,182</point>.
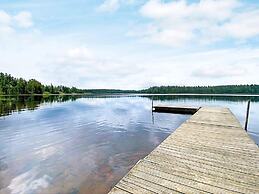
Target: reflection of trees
<point>204,97</point>
<point>9,104</point>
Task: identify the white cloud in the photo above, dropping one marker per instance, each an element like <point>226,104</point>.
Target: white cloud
<point>243,25</point>
<point>178,23</point>
<point>113,5</point>
<point>181,9</point>
<point>219,72</point>
<point>79,53</point>
<point>9,24</point>
<point>85,68</point>
<point>5,19</point>
<point>23,19</point>
<point>5,24</point>
<point>109,5</point>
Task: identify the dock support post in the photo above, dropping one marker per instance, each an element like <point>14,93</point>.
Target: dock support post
<point>152,111</point>
<point>247,114</point>
<point>152,104</point>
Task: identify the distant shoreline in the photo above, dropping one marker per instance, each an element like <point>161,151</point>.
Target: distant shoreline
<point>78,94</point>
<point>191,94</point>
<point>135,94</point>
<point>11,86</point>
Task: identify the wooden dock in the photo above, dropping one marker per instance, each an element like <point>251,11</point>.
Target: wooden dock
<point>209,153</point>
<point>175,109</point>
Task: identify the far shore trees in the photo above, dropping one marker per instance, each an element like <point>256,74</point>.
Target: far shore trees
<point>15,86</point>
<point>10,85</point>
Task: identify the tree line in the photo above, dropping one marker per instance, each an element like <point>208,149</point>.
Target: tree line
<point>10,85</point>
<point>226,89</point>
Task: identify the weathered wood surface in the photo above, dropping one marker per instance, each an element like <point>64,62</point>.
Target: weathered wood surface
<point>209,153</point>
<point>175,109</point>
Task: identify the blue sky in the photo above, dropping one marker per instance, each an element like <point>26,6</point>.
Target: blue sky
<point>131,44</point>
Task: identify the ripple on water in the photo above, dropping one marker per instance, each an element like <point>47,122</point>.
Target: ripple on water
<point>3,165</point>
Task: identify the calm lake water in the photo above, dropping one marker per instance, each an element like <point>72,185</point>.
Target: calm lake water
<point>86,144</point>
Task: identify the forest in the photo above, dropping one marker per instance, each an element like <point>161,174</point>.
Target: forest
<point>10,85</point>
<point>224,89</point>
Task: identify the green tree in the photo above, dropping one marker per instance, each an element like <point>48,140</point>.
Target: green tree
<point>34,87</point>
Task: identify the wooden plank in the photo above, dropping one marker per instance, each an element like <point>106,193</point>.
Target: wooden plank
<point>218,183</point>
<point>153,186</point>
<point>201,161</point>
<point>216,171</point>
<point>175,185</point>
<point>209,153</point>
<point>174,109</point>
<point>117,190</point>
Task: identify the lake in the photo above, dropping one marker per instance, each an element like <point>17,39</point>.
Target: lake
<point>68,144</point>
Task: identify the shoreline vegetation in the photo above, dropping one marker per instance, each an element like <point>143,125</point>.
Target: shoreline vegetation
<point>18,103</point>
<point>11,86</point>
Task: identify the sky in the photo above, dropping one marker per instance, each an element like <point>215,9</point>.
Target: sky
<point>131,44</point>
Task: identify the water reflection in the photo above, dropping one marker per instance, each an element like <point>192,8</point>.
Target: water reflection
<point>76,144</point>
<point>203,97</point>
<point>82,146</point>
<point>10,104</point>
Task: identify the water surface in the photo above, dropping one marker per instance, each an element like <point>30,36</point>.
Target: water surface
<point>86,144</point>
